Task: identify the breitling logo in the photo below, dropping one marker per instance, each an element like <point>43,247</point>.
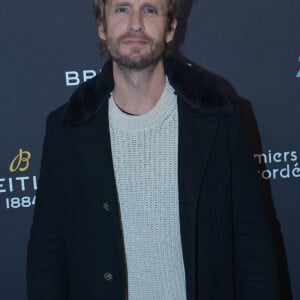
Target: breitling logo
<point>74,78</point>
<point>20,162</point>
<point>18,189</point>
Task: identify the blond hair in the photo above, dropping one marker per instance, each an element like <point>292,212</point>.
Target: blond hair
<point>173,9</point>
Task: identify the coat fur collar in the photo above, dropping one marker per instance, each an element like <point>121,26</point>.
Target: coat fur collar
<point>199,89</point>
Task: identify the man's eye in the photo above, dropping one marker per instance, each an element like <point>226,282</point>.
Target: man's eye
<point>150,10</point>
<point>121,10</point>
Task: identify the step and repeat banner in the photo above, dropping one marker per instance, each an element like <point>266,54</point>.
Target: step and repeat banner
<point>49,47</point>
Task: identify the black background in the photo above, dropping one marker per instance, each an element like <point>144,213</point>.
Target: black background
<point>255,45</point>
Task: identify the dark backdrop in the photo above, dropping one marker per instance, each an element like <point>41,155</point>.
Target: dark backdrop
<point>49,47</point>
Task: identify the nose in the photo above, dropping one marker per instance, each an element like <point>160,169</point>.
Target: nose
<point>135,22</point>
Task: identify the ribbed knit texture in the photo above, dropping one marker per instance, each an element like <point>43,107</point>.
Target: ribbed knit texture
<point>144,150</point>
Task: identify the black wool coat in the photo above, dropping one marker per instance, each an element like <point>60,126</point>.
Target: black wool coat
<point>76,247</point>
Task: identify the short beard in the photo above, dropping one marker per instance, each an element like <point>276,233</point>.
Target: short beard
<point>143,63</point>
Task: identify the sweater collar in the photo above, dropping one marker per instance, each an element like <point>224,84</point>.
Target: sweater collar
<point>156,116</point>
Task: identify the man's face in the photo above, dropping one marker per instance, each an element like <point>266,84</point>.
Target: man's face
<point>136,32</point>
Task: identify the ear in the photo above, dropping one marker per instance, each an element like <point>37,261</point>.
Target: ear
<point>171,32</point>
<point>101,31</point>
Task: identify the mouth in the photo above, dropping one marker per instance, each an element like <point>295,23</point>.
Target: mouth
<point>134,42</point>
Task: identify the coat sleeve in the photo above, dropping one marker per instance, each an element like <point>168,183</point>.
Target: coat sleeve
<point>254,258</point>
<point>46,258</point>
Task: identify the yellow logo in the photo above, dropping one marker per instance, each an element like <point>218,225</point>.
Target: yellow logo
<point>20,162</point>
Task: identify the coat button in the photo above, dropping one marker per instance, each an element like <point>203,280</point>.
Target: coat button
<point>108,276</point>
<point>106,206</point>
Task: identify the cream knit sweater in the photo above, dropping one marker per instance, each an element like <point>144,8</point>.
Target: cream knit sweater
<point>144,150</point>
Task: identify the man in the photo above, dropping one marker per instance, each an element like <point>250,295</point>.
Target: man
<point>148,189</point>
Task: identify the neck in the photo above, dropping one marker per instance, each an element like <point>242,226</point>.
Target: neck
<point>136,92</point>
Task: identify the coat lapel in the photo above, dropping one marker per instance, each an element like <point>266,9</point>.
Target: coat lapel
<point>196,137</point>
<point>94,145</point>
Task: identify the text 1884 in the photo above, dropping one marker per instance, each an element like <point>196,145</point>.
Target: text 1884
<point>15,202</point>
